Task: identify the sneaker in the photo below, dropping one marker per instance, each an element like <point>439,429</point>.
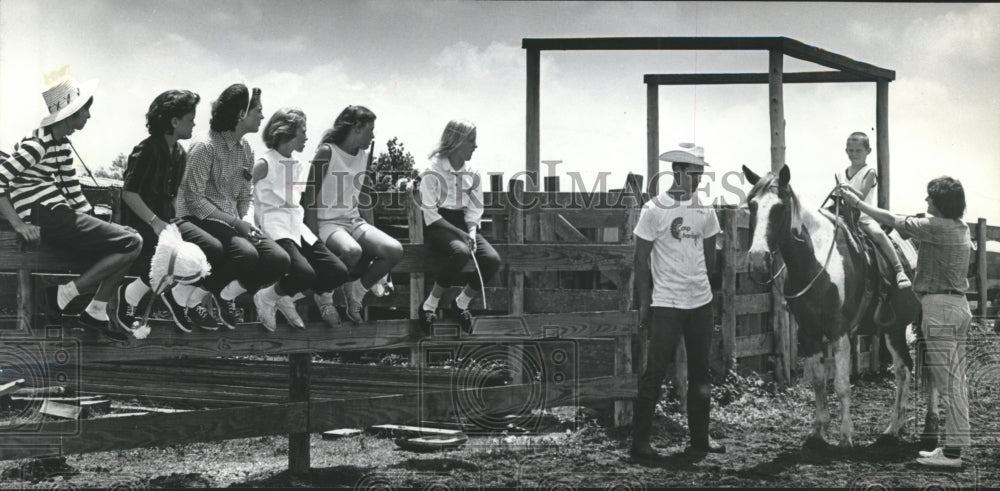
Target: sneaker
<point>354,294</point>
<point>176,311</point>
<point>287,308</point>
<point>427,318</point>
<point>330,315</point>
<point>125,315</point>
<point>107,328</point>
<point>463,315</point>
<point>902,281</point>
<point>227,311</point>
<point>937,458</point>
<point>74,307</point>
<point>201,317</point>
<point>267,313</point>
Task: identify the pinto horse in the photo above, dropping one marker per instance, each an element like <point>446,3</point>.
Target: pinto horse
<point>825,288</point>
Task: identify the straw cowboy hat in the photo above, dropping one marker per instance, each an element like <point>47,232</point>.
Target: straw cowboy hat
<point>66,98</point>
<point>686,153</point>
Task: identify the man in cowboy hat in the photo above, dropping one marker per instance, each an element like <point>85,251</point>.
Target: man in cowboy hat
<point>41,198</point>
<point>675,246</point>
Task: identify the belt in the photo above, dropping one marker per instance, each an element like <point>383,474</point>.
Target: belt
<point>946,292</point>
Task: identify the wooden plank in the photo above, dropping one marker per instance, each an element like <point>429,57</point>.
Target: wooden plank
<point>415,232</point>
<point>11,386</point>
<point>752,78</point>
<point>755,345</point>
<point>777,109</point>
<point>60,409</point>
<point>565,231</point>
<point>25,300</point>
<point>753,303</point>
<point>536,300</point>
<point>515,236</point>
<point>882,142</point>
<point>652,136</point>
<point>165,341</point>
<point>589,218</point>
<point>651,43</point>
<point>730,253</point>
<point>826,58</point>
<point>299,365</point>
<point>982,274</point>
<point>408,431</point>
<point>532,128</point>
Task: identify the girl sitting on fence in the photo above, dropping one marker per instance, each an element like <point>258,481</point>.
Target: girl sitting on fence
<point>451,198</point>
<point>279,180</point>
<point>339,168</point>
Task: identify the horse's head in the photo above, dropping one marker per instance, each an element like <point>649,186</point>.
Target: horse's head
<point>774,215</point>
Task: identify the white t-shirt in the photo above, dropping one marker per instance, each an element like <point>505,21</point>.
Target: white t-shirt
<point>677,230</point>
<point>276,199</point>
<point>342,184</point>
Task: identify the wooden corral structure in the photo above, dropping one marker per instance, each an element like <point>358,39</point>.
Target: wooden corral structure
<point>320,397</point>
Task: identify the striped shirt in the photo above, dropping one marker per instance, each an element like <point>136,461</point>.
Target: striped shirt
<point>41,172</point>
<point>217,176</point>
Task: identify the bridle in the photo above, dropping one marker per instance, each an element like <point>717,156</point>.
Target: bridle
<point>829,253</point>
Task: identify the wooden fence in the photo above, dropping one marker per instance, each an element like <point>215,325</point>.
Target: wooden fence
<point>567,277</point>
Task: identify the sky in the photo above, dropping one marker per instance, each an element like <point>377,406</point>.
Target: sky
<point>418,64</point>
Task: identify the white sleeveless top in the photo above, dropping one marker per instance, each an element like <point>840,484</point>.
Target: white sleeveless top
<point>276,199</point>
<point>342,184</point>
<point>858,181</point>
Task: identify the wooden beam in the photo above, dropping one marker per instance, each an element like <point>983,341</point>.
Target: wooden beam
<point>532,136</point>
<point>777,109</point>
<point>652,136</point>
<point>882,142</point>
<point>165,341</point>
<point>651,43</point>
<point>299,368</point>
<point>802,51</point>
<point>982,275</point>
<point>752,78</point>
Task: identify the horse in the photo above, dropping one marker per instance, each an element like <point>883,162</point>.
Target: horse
<point>825,289</point>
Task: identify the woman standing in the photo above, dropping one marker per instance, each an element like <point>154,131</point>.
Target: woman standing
<point>451,197</point>
<point>279,180</point>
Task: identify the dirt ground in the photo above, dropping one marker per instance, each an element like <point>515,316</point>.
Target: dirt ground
<point>763,427</point>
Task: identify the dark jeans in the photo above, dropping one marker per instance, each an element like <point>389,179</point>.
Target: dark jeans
<point>313,267</point>
<point>190,232</point>
<point>456,248</point>
<point>668,326</point>
<point>253,265</point>
<point>82,235</point>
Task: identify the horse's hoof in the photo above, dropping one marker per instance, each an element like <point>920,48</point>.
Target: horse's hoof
<point>814,442</point>
<point>886,440</point>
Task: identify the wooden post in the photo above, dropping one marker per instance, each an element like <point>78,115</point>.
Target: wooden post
<point>779,325</point>
<point>623,343</point>
<point>546,230</point>
<point>777,105</point>
<point>515,235</point>
<point>532,138</point>
<point>982,279</point>
<point>730,254</point>
<point>496,182</point>
<point>623,367</point>
<point>414,223</point>
<point>25,294</point>
<point>882,139</point>
<point>298,391</point>
<point>652,136</point>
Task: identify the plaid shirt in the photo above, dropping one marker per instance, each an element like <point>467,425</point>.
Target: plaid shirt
<point>41,171</point>
<point>217,176</point>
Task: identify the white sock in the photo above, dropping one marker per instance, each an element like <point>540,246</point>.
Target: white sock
<point>135,291</point>
<point>67,292</point>
<point>431,303</point>
<point>232,290</point>
<point>98,310</point>
<point>298,296</point>
<point>196,297</point>
<point>463,299</point>
<point>323,299</point>
<point>182,293</point>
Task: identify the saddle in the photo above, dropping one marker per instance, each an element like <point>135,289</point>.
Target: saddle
<point>882,302</point>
